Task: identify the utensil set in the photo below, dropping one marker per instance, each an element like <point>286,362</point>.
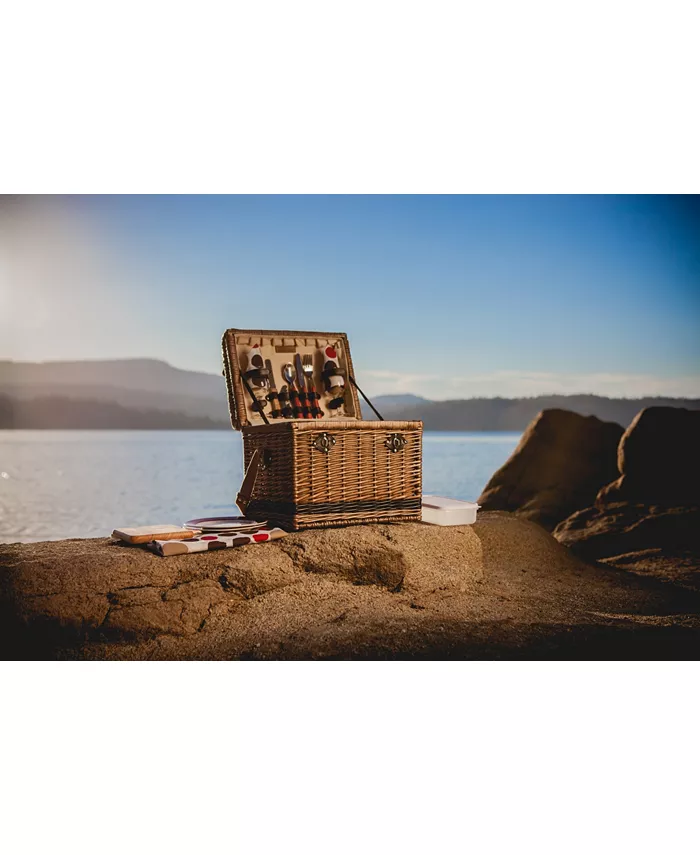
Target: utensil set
<point>298,397</point>
<point>299,391</point>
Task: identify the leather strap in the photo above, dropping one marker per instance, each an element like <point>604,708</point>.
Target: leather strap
<point>245,494</point>
<point>354,383</point>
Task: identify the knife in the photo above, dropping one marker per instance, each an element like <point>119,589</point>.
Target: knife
<point>272,395</point>
<point>303,397</point>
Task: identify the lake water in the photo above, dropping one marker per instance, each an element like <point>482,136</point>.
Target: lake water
<point>59,484</point>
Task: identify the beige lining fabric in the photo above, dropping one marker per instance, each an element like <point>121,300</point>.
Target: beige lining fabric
<point>280,347</point>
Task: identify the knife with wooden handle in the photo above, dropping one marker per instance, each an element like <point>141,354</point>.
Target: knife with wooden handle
<point>272,394</point>
<point>301,379</point>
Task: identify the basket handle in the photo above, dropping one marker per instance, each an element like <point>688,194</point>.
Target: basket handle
<point>256,405</point>
<point>245,493</point>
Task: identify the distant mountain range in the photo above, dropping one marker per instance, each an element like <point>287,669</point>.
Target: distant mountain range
<point>150,394</point>
<point>123,393</point>
<point>514,414</point>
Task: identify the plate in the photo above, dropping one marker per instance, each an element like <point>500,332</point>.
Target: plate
<point>225,524</point>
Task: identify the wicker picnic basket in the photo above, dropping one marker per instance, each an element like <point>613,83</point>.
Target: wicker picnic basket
<point>304,472</point>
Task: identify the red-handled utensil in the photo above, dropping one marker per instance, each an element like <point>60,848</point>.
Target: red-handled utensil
<point>307,400</point>
<point>288,374</point>
<point>307,363</point>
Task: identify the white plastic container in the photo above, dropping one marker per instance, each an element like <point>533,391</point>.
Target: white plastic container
<point>438,510</point>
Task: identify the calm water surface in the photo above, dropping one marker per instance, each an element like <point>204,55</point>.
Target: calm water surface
<point>58,484</point>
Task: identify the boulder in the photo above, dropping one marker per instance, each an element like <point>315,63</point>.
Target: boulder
<point>658,459</point>
<point>623,527</point>
<point>648,519</point>
<point>502,588</point>
<point>655,540</point>
<point>560,464</point>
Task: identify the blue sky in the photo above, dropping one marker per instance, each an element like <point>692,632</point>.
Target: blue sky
<point>445,296</point>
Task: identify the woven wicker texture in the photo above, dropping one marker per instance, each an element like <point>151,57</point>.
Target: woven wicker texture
<point>360,479</point>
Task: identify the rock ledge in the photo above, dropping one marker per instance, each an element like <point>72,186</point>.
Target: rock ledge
<point>501,588</point>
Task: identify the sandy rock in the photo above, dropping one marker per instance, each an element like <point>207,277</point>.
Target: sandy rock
<point>249,574</point>
<point>599,532</point>
<point>501,588</point>
<point>150,611</point>
<point>364,557</point>
<point>410,556</point>
<point>648,519</point>
<point>70,611</point>
<point>659,459</point>
<point>652,539</point>
<point>560,464</point>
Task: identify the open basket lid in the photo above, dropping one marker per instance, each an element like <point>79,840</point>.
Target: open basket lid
<point>280,347</point>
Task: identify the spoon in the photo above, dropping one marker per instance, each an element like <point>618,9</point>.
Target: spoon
<point>288,374</point>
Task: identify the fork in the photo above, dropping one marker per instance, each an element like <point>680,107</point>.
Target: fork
<point>288,374</point>
<point>307,363</point>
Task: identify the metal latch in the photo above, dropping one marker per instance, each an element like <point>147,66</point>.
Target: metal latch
<point>395,442</point>
<point>324,442</point>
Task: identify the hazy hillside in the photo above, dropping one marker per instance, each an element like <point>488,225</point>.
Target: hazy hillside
<point>401,400</point>
<point>138,384</point>
<point>139,393</point>
<point>62,414</point>
<point>215,408</point>
<point>514,414</point>
<point>146,375</point>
